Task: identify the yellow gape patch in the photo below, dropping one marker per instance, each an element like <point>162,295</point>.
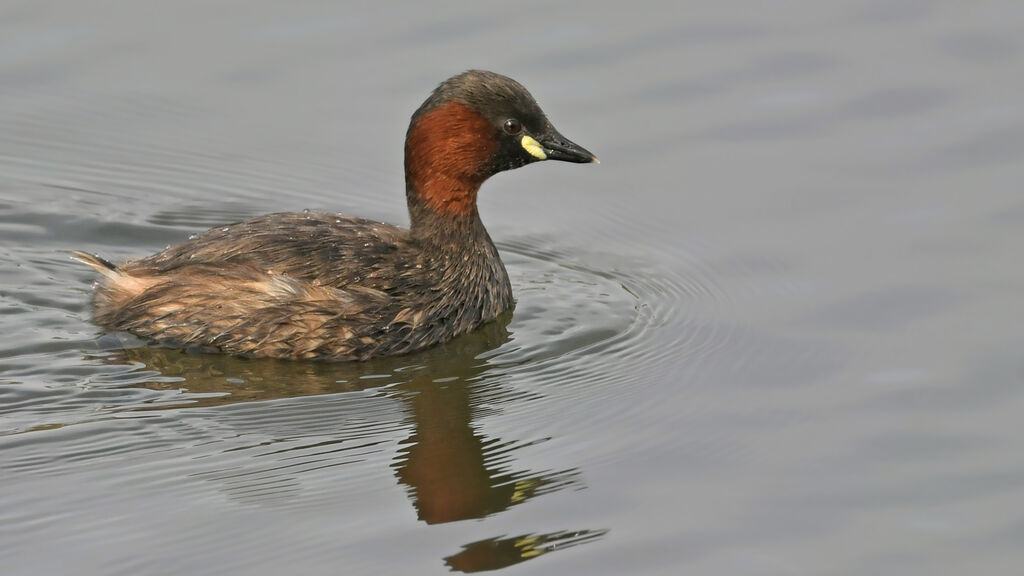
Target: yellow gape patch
<point>533,147</point>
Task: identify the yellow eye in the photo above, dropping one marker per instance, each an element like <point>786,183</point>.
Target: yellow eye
<point>512,126</point>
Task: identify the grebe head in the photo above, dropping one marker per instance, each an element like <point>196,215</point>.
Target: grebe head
<point>473,126</point>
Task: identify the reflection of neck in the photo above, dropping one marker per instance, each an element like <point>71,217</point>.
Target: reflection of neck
<point>445,462</point>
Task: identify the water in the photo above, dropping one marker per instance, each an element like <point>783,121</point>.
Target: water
<point>776,331</point>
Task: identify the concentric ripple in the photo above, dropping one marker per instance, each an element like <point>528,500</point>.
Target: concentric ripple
<point>587,318</point>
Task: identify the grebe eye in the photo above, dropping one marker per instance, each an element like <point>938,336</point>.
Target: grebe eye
<point>512,126</point>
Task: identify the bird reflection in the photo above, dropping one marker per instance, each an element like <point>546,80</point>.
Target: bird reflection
<point>450,470</point>
<point>453,472</point>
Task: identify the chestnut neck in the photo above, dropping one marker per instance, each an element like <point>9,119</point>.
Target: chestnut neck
<point>446,230</point>
<point>448,155</point>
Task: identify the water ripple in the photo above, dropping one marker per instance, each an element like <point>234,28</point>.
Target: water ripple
<point>635,316</point>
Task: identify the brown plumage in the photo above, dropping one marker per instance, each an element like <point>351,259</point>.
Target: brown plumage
<point>334,287</point>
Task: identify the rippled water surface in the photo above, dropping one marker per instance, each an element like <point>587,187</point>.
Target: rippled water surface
<point>777,331</point>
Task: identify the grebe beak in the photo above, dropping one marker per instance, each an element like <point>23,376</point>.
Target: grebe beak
<point>554,146</point>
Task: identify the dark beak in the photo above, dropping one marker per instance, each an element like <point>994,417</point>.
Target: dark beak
<point>558,147</point>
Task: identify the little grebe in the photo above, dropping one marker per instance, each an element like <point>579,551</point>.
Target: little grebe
<point>335,287</point>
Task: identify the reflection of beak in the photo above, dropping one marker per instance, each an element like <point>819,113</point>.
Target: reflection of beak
<point>554,146</point>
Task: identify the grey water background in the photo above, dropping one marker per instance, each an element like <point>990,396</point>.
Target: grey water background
<point>777,331</point>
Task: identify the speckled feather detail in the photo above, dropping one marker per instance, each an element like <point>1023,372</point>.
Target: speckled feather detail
<point>326,286</point>
<point>308,286</point>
